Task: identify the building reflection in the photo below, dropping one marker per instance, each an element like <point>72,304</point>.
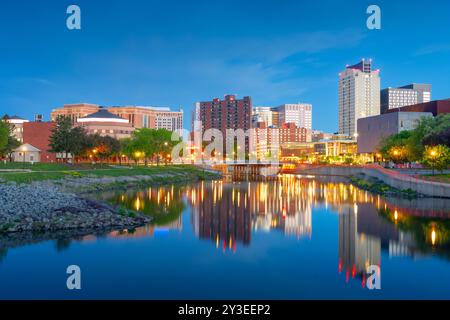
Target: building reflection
<point>221,213</point>
<point>228,213</point>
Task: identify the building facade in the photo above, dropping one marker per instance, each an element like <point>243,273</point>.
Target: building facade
<point>300,114</point>
<point>436,107</point>
<point>26,153</point>
<point>263,114</point>
<point>75,111</point>
<point>139,117</point>
<point>105,123</point>
<point>372,130</point>
<point>38,135</point>
<point>359,95</point>
<point>270,140</point>
<point>392,98</point>
<point>17,124</point>
<point>229,113</point>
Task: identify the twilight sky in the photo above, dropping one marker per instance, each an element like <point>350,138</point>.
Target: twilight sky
<point>173,53</point>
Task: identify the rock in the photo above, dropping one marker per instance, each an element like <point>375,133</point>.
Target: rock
<point>43,207</point>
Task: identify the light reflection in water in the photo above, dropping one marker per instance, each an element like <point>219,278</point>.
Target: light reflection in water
<point>228,213</point>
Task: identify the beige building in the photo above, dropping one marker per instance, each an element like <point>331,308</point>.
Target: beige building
<point>17,123</point>
<point>105,123</point>
<point>359,95</point>
<point>27,153</point>
<point>137,116</point>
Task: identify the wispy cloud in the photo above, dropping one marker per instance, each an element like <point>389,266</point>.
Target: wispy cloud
<point>263,67</point>
<point>433,49</point>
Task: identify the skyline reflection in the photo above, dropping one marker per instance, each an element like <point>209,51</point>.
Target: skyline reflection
<point>227,213</point>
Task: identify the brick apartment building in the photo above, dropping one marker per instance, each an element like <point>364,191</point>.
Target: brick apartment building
<point>230,113</point>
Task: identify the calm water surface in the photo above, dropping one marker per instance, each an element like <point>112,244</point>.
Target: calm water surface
<point>293,238</point>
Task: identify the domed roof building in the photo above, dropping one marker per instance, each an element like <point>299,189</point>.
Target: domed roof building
<point>105,123</point>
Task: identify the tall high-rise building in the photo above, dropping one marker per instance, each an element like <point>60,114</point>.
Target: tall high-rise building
<point>299,113</point>
<point>359,95</point>
<point>230,113</point>
<point>392,98</point>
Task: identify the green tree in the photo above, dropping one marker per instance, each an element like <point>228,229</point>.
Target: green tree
<point>437,157</point>
<point>425,130</point>
<point>61,140</point>
<point>103,146</point>
<point>7,140</point>
<point>397,147</point>
<point>4,134</point>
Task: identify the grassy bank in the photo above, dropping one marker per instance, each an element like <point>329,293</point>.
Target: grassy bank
<point>379,187</point>
<point>43,172</point>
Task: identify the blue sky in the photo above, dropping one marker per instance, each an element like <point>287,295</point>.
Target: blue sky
<point>173,53</point>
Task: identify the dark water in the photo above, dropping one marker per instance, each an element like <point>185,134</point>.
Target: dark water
<point>294,238</point>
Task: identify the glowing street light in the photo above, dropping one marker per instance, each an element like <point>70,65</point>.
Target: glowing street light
<point>433,237</point>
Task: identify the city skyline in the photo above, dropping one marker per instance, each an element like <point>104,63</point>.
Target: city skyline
<point>271,52</point>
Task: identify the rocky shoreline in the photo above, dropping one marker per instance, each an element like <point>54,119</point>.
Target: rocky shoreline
<point>45,207</point>
<point>67,204</point>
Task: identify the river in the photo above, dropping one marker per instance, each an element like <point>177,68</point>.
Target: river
<point>290,238</point>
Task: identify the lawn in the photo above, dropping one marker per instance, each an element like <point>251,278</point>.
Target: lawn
<point>41,172</point>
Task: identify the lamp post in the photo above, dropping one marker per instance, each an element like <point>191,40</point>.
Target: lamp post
<point>433,155</point>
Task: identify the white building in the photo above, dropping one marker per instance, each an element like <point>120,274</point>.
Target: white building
<point>392,98</point>
<point>170,120</point>
<point>17,123</point>
<point>263,114</point>
<point>359,95</point>
<point>299,113</point>
<point>26,153</point>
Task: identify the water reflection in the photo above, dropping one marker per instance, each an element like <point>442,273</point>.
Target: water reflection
<point>227,213</point>
<point>230,214</point>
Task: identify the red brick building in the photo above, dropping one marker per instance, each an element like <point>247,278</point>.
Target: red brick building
<point>38,135</point>
<point>230,113</point>
<point>436,107</point>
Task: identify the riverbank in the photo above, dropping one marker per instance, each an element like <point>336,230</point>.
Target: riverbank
<point>393,179</point>
<point>38,204</point>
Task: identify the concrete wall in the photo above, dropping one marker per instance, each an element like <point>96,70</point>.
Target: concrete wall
<point>372,130</point>
<point>392,178</point>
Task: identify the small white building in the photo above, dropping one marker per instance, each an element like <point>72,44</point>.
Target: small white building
<point>27,153</point>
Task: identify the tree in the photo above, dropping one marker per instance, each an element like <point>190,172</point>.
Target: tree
<point>4,134</point>
<point>427,129</point>
<point>61,139</point>
<point>163,143</point>
<point>7,140</point>
<point>437,157</point>
<point>397,147</point>
<point>103,146</point>
<point>438,138</point>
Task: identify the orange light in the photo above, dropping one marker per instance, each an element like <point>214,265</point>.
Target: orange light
<point>433,237</point>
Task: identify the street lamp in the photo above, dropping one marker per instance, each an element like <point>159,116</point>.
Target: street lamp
<point>433,155</point>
